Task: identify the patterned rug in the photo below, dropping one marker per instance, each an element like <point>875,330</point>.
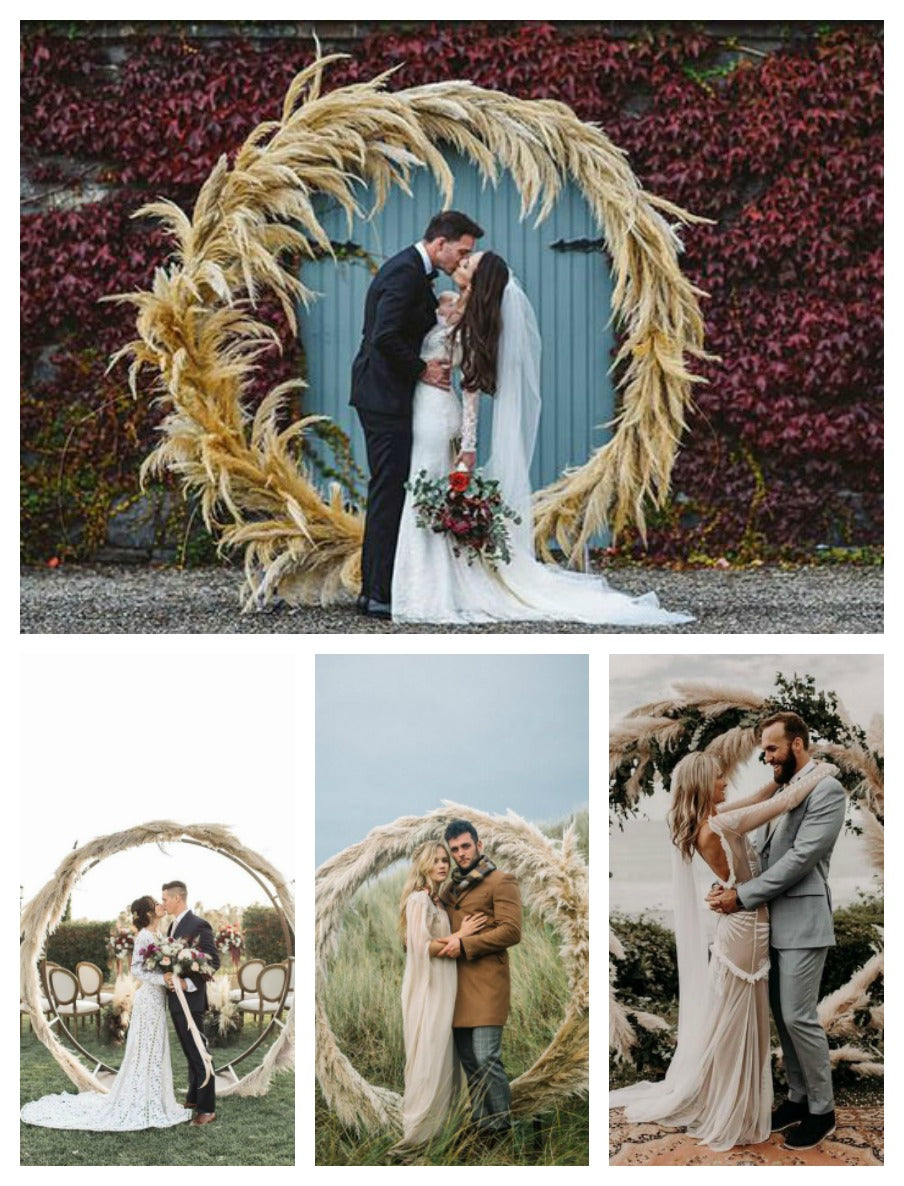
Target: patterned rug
<point>857,1140</point>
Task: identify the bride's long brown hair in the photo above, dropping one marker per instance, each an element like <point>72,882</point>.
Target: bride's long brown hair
<point>693,781</point>
<point>481,324</point>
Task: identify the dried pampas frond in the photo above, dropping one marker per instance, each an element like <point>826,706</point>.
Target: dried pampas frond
<point>836,1011</point>
<point>733,747</point>
<point>874,834</point>
<point>198,334</point>
<point>552,876</point>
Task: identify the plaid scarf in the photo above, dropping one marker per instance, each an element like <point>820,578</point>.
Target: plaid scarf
<point>463,880</point>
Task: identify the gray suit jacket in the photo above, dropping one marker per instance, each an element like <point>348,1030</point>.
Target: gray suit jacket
<point>795,870</point>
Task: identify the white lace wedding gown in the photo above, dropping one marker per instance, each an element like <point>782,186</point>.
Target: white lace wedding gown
<point>723,1094</point>
<point>431,584</point>
<point>142,1094</point>
<point>432,1073</point>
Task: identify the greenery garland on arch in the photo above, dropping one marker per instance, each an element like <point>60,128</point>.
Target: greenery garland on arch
<point>650,740</point>
<point>199,334</point>
<point>44,912</point>
<point>552,876</point>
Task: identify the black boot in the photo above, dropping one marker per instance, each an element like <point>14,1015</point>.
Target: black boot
<point>788,1113</point>
<point>811,1131</point>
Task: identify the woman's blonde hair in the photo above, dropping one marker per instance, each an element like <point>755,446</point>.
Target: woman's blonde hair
<point>419,875</point>
<point>693,781</point>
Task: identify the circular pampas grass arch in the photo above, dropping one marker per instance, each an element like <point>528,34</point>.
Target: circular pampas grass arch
<point>199,335</point>
<point>552,876</point>
<point>42,915</point>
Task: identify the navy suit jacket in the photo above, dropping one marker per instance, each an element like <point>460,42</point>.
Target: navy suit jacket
<point>399,310</point>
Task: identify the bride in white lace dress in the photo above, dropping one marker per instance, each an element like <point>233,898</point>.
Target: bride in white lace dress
<point>493,336</point>
<point>142,1094</point>
<point>433,1079</point>
<point>719,1082</point>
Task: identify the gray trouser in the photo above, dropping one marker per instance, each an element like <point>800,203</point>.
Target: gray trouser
<point>480,1053</point>
<point>794,994</point>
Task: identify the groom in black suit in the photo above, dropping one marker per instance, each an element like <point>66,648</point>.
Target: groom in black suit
<point>399,309</point>
<point>199,933</point>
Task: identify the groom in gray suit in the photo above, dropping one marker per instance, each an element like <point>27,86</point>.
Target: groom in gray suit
<point>794,857</point>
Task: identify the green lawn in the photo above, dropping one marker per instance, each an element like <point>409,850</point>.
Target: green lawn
<point>247,1131</point>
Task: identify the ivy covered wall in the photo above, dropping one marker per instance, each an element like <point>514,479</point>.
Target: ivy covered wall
<point>773,131</point>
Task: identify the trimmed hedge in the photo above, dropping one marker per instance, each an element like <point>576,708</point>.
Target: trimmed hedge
<point>73,942</point>
<point>264,937</point>
<point>650,966</point>
<point>856,941</point>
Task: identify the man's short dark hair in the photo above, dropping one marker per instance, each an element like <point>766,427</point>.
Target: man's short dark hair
<point>457,828</point>
<point>176,885</point>
<point>451,224</point>
<point>794,726</point>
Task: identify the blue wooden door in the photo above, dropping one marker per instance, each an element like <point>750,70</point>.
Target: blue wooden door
<point>570,290</point>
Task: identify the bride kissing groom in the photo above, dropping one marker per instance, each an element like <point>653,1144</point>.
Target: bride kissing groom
<point>414,423</point>
<point>456,988</point>
<point>142,1094</point>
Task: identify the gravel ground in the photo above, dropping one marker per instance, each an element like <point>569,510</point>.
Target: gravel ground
<point>119,600</point>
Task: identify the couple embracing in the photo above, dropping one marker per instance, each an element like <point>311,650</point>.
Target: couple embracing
<point>415,423</point>
<point>142,1094</point>
<point>773,931</point>
<point>458,921</point>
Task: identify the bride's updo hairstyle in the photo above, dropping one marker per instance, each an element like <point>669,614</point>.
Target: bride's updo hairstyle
<point>143,911</point>
<point>693,782</point>
<point>419,875</point>
<point>481,324</point>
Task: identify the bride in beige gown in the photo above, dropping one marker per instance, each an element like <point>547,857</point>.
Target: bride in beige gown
<point>432,1074</point>
<point>719,1083</point>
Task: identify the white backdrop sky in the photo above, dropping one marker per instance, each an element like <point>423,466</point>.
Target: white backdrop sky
<point>104,748</point>
<point>397,734</point>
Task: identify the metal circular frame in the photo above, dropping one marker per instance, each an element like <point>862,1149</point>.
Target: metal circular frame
<point>212,837</point>
<point>552,876</point>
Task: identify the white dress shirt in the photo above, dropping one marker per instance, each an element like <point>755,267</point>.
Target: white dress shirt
<point>422,251</point>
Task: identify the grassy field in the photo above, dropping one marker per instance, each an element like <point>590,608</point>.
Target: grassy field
<point>259,1131</point>
<point>365,983</point>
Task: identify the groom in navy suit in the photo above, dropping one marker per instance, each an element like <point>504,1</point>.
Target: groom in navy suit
<point>399,310</point>
<point>199,933</point>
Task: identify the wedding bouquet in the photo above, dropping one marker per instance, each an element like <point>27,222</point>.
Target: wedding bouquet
<point>176,956</point>
<point>468,508</point>
<point>231,942</point>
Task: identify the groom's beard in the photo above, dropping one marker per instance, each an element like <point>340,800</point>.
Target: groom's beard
<point>786,770</point>
<point>465,868</point>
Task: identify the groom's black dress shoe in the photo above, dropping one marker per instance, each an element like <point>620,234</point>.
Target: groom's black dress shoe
<point>203,1118</point>
<point>788,1114</point>
<point>811,1131</point>
<point>378,609</point>
<point>361,603</point>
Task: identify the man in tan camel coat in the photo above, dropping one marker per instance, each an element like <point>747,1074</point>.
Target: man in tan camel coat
<point>484,989</point>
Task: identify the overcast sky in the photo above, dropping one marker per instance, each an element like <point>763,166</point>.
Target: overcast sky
<point>639,679</point>
<point>397,734</point>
